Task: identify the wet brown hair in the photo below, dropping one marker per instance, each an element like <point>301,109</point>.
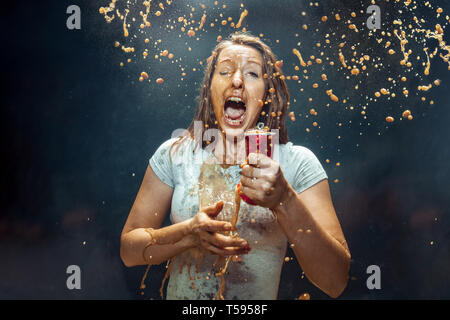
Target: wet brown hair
<point>276,102</point>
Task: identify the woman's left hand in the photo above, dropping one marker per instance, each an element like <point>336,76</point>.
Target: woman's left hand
<point>263,181</point>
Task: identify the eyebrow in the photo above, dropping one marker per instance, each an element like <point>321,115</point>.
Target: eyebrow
<point>231,60</point>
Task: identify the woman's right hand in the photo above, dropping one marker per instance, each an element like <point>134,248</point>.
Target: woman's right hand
<point>206,233</point>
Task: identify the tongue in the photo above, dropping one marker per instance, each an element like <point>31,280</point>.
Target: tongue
<point>234,111</point>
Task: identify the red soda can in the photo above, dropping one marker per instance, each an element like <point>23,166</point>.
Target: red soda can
<point>257,141</point>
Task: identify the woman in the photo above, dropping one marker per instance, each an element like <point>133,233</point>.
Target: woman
<point>243,85</point>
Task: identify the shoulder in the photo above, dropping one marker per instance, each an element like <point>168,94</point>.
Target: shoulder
<point>167,145</point>
<point>173,144</point>
<point>290,152</point>
<point>167,159</point>
<point>178,151</point>
<point>301,166</point>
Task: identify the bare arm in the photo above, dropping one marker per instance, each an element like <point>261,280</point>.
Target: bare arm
<point>149,211</point>
<point>140,245</point>
<point>308,219</point>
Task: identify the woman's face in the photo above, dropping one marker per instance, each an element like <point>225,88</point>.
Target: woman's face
<point>237,87</point>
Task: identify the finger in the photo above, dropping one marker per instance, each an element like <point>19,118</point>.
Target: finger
<point>222,241</point>
<point>259,160</point>
<point>243,187</point>
<point>217,226</point>
<point>236,251</point>
<point>257,185</point>
<point>224,251</point>
<point>212,248</point>
<point>249,182</point>
<point>237,258</point>
<point>213,210</point>
<point>268,188</point>
<point>251,172</point>
<point>244,163</point>
<point>253,194</point>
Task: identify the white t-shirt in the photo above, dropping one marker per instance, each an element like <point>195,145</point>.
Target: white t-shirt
<point>198,181</point>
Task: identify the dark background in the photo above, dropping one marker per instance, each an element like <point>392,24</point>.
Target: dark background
<point>77,132</point>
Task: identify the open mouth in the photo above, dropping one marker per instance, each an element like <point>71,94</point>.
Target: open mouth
<point>234,111</point>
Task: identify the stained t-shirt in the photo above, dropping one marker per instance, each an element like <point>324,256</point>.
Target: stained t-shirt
<point>198,180</point>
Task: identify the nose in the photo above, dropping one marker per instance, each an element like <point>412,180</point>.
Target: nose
<point>237,80</point>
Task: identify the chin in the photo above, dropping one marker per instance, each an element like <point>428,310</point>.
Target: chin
<point>234,132</point>
<point>234,129</point>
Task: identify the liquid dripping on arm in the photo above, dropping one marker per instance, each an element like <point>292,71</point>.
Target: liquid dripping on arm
<point>169,269</point>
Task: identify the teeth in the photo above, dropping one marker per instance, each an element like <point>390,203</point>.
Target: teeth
<point>235,99</point>
<point>237,121</point>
